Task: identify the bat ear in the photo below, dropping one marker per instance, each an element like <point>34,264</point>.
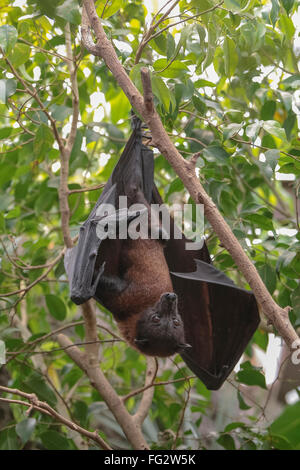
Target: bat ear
<point>141,342</point>
<point>184,346</point>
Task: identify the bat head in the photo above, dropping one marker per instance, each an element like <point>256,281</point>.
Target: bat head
<point>159,331</point>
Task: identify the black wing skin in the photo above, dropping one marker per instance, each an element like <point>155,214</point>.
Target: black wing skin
<point>219,318</point>
<point>84,263</point>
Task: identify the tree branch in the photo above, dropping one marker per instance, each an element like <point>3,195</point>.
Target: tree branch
<point>186,172</point>
<point>147,397</point>
<point>89,363</point>
<point>147,89</point>
<point>34,404</point>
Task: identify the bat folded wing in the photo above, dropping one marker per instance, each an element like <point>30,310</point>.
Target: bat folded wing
<point>219,321</point>
<point>80,261</point>
<point>83,263</point>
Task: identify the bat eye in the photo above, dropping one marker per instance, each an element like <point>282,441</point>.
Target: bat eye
<point>155,318</point>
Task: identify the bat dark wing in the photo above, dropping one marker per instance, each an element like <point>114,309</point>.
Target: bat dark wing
<point>83,263</point>
<point>219,317</point>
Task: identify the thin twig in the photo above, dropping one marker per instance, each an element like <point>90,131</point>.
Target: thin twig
<point>84,190</point>
<point>35,404</point>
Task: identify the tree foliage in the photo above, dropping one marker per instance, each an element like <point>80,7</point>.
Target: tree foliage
<point>225,79</point>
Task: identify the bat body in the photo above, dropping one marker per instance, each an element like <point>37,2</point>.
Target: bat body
<point>164,299</point>
<point>140,294</point>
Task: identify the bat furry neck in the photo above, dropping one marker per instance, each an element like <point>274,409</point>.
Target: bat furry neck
<point>128,328</point>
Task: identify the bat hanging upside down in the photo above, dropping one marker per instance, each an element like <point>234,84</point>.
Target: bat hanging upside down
<point>141,297</point>
<point>164,298</point>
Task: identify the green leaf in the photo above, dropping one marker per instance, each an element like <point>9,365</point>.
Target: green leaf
<point>43,140</point>
<point>175,186</point>
<point>226,441</point>
<point>274,12</point>
<point>169,70</point>
<point>230,56</point>
<point>120,107</point>
<point>170,46</point>
<point>36,384</point>
<point>7,89</point>
<point>2,223</point>
<point>279,442</point>
<point>211,47</point>
<point>288,5</point>
<point>274,128</point>
<point>69,11</point>
<point>56,307</point>
<point>159,44</point>
<point>287,27</point>
<point>268,275</point>
<point>261,221</point>
<point>161,91</point>
<point>242,404</point>
<point>268,109</point>
<point>81,412</point>
<point>272,157</point>
<point>199,105</point>
<point>135,75</point>
<point>107,9</point>
<point>25,429</point>
<point>235,5</point>
<point>60,113</point>
<point>8,37</point>
<point>295,299</point>
<point>7,170</point>
<point>2,352</point>
<point>53,440</point>
<point>214,152</point>
<point>252,130</point>
<point>9,439</point>
<point>14,213</point>
<point>287,99</point>
<point>285,260</point>
<point>249,375</point>
<point>25,74</point>
<point>293,81</point>
<point>5,132</point>
<point>19,55</point>
<point>202,83</point>
<point>234,425</point>
<point>231,130</point>
<point>287,425</point>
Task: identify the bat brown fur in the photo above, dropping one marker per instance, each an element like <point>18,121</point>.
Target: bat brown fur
<point>140,296</point>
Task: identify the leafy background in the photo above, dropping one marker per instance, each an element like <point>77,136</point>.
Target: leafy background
<point>226,84</point>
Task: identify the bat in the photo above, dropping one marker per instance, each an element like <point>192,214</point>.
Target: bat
<point>164,298</point>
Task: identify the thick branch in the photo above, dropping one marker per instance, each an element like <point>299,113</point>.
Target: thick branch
<point>111,398</point>
<point>186,173</point>
<point>147,89</point>
<point>147,397</point>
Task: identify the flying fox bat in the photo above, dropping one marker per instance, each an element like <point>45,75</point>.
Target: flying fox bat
<point>164,298</point>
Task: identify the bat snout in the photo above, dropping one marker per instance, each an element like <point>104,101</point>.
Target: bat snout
<point>169,297</point>
<point>167,304</point>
